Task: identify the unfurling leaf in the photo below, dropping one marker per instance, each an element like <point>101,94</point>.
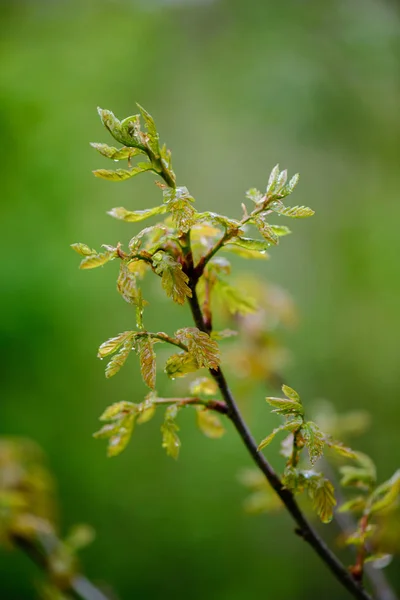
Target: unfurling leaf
<point>296,212</point>
<point>314,440</point>
<point>209,423</point>
<point>291,425</point>
<point>97,260</point>
<point>173,279</point>
<point>234,299</point>
<point>179,365</point>
<point>254,195</point>
<point>203,386</point>
<point>324,501</point>
<point>273,180</point>
<point>82,249</point>
<point>119,359</point>
<point>179,204</point>
<point>291,393</point>
<point>113,344</point>
<point>116,153</point>
<point>135,216</point>
<point>152,134</point>
<point>283,406</point>
<point>204,349</point>
<point>145,349</point>
<point>170,439</point>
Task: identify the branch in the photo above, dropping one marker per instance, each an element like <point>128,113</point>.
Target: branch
<point>215,405</point>
<point>304,528</point>
<point>79,586</point>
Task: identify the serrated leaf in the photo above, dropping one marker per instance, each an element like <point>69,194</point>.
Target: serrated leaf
<point>249,243</point>
<point>291,393</point>
<point>122,174</point>
<point>116,153</point>
<point>147,356</point>
<point>324,500</point>
<point>209,423</point>
<point>282,177</point>
<point>234,299</point>
<point>173,279</point>
<point>273,179</point>
<point>231,225</point>
<point>122,416</point>
<point>126,284</point>
<point>295,212</point>
<point>204,349</point>
<point>183,213</point>
<point>153,137</point>
<point>179,365</point>
<point>97,260</point>
<point>203,386</point>
<point>266,231</point>
<point>83,250</point>
<point>117,410</point>
<point>119,359</point>
<point>223,334</point>
<point>314,440</point>
<point>283,406</point>
<point>170,439</point>
<point>113,344</point>
<point>130,216</point>
<point>254,195</point>
<point>289,187</point>
<point>292,425</point>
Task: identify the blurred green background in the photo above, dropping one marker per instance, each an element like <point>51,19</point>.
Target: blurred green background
<point>235,87</point>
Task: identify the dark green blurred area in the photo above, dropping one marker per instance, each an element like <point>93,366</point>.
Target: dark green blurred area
<point>235,87</point>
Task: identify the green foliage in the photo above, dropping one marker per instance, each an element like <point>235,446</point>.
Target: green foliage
<point>182,249</point>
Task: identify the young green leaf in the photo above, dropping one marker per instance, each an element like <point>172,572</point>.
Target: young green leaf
<point>203,386</point>
<point>135,216</point>
<point>273,180</point>
<point>292,425</point>
<point>122,416</point>
<point>340,448</point>
<point>147,409</point>
<point>234,299</point>
<point>314,440</point>
<point>324,501</point>
<point>289,187</point>
<point>173,279</point>
<point>209,423</point>
<point>295,212</point>
<point>119,359</point>
<point>283,406</point>
<point>116,153</point>
<point>249,243</point>
<point>147,356</point>
<point>354,505</point>
<point>266,230</point>
<point>291,393</point>
<point>170,439</point>
<point>97,260</point>
<point>83,250</point>
<point>126,284</point>
<point>113,344</point>
<point>362,476</point>
<point>179,365</point>
<point>204,349</point>
<point>387,495</point>
<point>123,174</point>
<point>153,137</point>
